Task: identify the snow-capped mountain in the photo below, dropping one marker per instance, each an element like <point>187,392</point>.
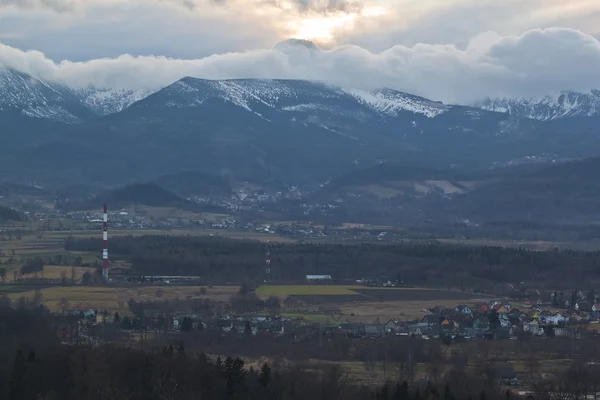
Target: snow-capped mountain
<point>108,101</point>
<point>544,108</point>
<point>300,101</point>
<point>31,96</point>
<point>34,97</point>
<point>286,130</point>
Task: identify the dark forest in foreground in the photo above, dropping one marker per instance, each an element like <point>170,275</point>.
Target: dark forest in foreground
<point>221,260</point>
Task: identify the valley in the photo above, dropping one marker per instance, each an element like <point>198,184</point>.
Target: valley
<point>296,222</point>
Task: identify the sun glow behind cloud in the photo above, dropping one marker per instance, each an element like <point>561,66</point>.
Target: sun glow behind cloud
<point>322,28</point>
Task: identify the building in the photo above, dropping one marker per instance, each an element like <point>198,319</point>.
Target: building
<point>318,278</point>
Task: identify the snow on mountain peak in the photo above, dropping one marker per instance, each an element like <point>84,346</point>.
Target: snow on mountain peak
<point>109,101</point>
<point>36,97</point>
<point>392,102</point>
<point>548,107</point>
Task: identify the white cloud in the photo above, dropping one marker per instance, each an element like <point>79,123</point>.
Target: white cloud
<point>537,62</point>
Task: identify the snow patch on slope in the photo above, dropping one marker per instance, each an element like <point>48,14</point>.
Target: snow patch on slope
<point>391,103</point>
<point>109,101</point>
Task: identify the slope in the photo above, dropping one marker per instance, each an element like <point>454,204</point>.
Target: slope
<point>144,194</point>
<point>33,97</point>
<point>281,132</point>
<point>194,183</point>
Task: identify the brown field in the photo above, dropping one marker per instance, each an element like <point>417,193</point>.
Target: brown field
<point>403,310</point>
<point>115,298</point>
<point>56,271</point>
<point>365,304</point>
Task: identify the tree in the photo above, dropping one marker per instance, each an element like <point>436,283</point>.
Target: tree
<point>265,375</point>
<point>187,325</point>
<point>273,304</point>
<point>32,265</point>
<point>549,331</point>
<point>37,298</point>
<point>531,361</point>
<point>86,277</point>
<point>494,319</point>
<point>63,305</point>
<point>3,274</point>
<point>591,296</point>
<point>63,277</point>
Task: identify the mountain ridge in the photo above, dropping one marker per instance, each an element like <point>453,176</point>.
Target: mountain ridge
<point>560,105</point>
<point>39,98</point>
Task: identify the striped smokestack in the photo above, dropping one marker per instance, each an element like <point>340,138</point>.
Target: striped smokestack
<point>105,245</point>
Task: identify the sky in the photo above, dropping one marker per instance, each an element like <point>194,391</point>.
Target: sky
<point>456,51</point>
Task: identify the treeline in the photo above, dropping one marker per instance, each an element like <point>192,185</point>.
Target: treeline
<point>8,214</point>
<point>224,260</point>
<point>82,373</point>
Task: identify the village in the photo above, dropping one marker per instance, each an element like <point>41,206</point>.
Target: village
<point>495,320</point>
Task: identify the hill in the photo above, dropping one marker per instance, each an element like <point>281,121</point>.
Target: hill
<point>194,183</point>
<point>146,194</point>
<point>563,193</point>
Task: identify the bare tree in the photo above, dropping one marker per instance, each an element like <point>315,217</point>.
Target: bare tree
<point>63,305</point>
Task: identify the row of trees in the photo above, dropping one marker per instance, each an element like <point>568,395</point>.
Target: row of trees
<point>224,260</point>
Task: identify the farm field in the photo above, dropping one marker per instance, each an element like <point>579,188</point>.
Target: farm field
<point>115,298</point>
<point>365,304</point>
<point>57,271</point>
<point>354,303</point>
<point>333,293</point>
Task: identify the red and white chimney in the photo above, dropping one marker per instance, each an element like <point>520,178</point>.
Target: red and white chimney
<point>105,245</point>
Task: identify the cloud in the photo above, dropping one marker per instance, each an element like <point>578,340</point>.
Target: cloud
<point>325,6</point>
<point>537,62</point>
<point>55,5</point>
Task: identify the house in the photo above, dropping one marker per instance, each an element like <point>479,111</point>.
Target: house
<point>504,320</point>
<point>374,329</point>
<point>354,329</point>
<point>500,308</point>
<point>449,325</point>
<point>465,310</point>
<point>481,322</point>
<point>431,319</point>
<point>482,307</point>
<point>392,326</point>
<point>318,278</point>
<point>596,307</point>
<point>86,312</point>
<point>533,327</point>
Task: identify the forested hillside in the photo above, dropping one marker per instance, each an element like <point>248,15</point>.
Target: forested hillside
<point>8,214</point>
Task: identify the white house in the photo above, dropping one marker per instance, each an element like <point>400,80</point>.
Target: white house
<point>464,310</point>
